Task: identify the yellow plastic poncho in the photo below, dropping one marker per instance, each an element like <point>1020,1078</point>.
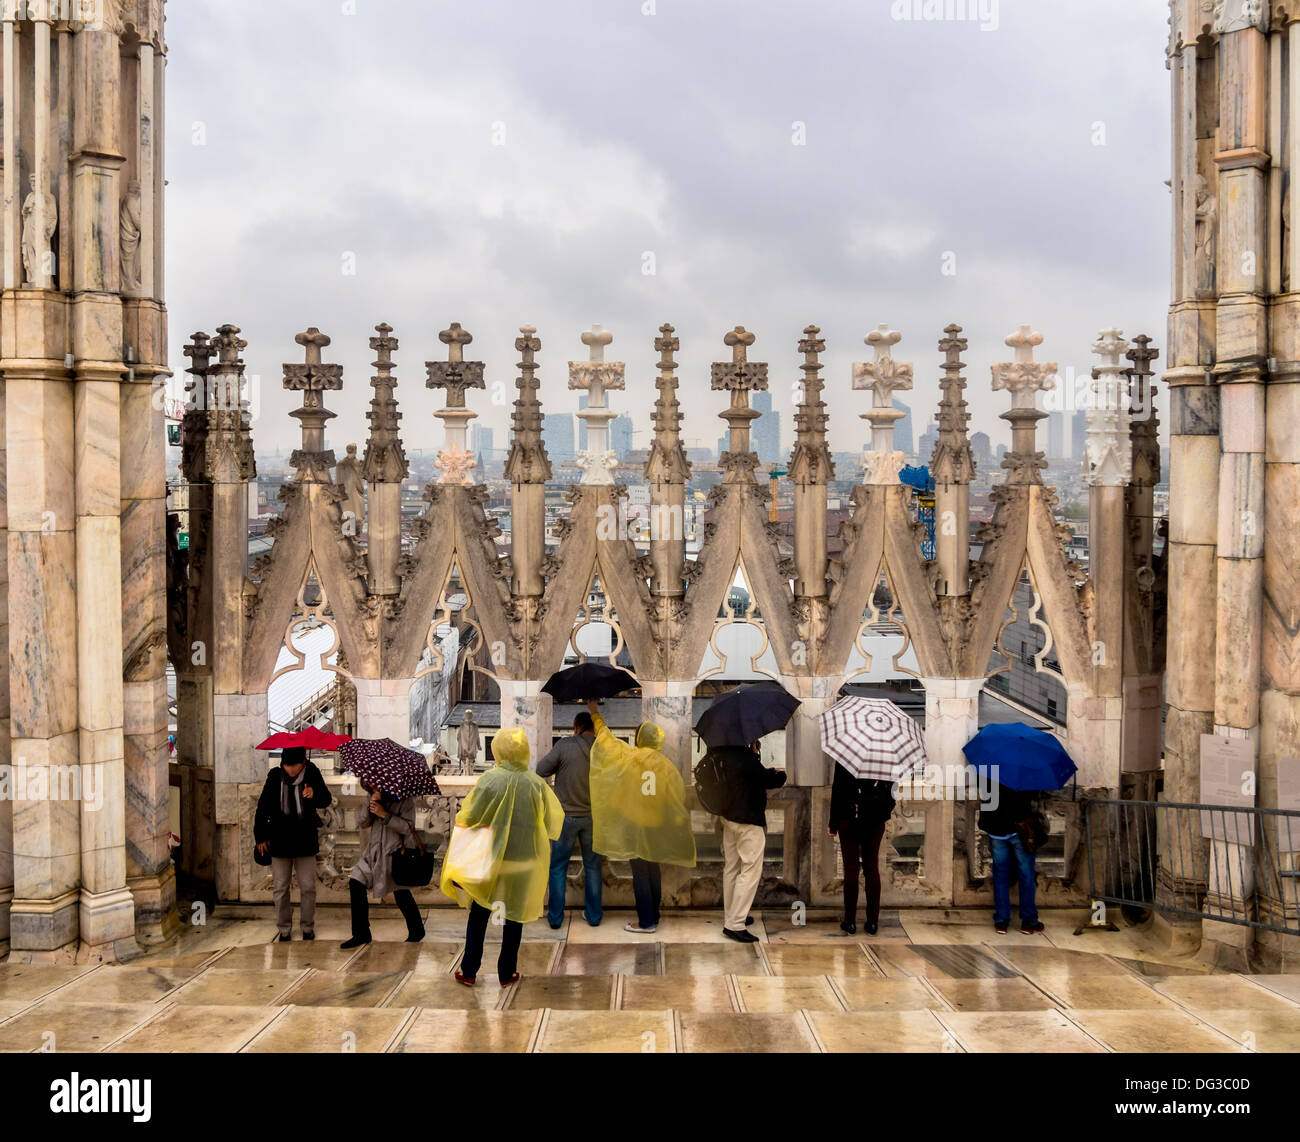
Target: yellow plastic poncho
<point>521,815</point>
<point>638,800</point>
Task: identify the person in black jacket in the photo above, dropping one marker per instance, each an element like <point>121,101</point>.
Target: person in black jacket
<point>745,782</point>
<point>286,826</point>
<point>1004,810</point>
<point>860,810</point>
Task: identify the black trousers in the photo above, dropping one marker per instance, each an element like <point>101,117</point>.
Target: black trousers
<point>361,911</point>
<point>646,889</point>
<point>860,846</point>
<point>476,933</point>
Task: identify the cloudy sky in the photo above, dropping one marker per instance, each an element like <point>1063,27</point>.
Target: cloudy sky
<point>339,163</point>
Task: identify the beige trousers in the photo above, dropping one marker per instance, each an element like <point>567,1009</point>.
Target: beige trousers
<point>281,867</point>
<point>742,852</point>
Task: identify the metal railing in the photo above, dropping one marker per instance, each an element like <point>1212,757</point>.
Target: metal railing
<point>1239,865</point>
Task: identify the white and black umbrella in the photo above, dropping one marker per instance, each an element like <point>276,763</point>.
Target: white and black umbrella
<point>380,763</point>
<point>872,738</point>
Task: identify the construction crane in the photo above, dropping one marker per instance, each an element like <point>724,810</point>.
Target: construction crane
<point>772,477</point>
<point>922,485</point>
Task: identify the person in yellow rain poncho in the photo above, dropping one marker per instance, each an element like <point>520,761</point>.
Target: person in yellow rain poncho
<point>638,811</point>
<point>500,853</point>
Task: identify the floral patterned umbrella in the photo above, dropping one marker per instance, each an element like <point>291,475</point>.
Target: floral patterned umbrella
<point>380,763</point>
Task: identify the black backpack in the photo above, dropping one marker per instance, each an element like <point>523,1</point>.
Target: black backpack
<point>709,783</point>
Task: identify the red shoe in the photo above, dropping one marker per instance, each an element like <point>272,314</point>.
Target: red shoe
<point>513,979</point>
<point>467,980</point>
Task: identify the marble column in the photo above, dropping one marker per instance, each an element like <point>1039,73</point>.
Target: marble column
<point>6,803</point>
<point>383,708</point>
<point>13,190</point>
<point>952,714</point>
<point>523,704</point>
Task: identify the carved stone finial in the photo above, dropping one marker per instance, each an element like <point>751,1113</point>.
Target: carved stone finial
<point>811,461</point>
<point>595,376</point>
<point>1023,378</point>
<point>455,338</point>
<point>527,462</point>
<point>385,459</point>
<point>883,376</point>
<point>952,461</point>
<point>312,378</point>
<point>667,461</point>
<point>740,377</point>
<point>229,439</point>
<point>1144,426</point>
<point>1110,449</point>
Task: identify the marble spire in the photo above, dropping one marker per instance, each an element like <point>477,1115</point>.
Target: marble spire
<point>883,376</point>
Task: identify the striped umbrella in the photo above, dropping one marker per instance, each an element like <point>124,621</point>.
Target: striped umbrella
<point>872,738</point>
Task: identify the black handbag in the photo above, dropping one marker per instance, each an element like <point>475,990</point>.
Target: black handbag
<point>411,868</point>
<point>259,857</point>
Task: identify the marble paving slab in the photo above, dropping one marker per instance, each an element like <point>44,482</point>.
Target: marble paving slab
<point>294,956</point>
<point>443,992</point>
<point>674,928</point>
<point>320,1030</point>
<point>26,983</point>
<point>1104,993</point>
<point>705,993</point>
<point>992,995</point>
<point>640,1032</point>
<point>877,995</point>
<point>114,984</point>
<point>563,993</point>
<point>784,1033</point>
<point>1153,1032</point>
<point>882,1032</point>
<point>1048,961</point>
<point>471,1032</point>
<point>537,958</point>
<point>609,959</point>
<point>1287,986</point>
<point>947,961</point>
<point>703,959</point>
<point>1005,1032</point>
<point>237,987</point>
<point>343,989</point>
<point>62,1027</point>
<point>1258,1030</point>
<point>181,1028</point>
<point>802,959</point>
<point>765,994</point>
<point>429,957</point>
<point>1224,992</point>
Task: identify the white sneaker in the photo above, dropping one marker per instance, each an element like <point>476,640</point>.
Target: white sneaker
<point>637,929</point>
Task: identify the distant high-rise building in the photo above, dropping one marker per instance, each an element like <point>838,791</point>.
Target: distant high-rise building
<point>557,433</point>
<point>1000,452</point>
<point>1056,435</point>
<point>981,449</point>
<point>620,435</point>
<point>480,440</point>
<point>925,449</point>
<point>724,443</point>
<point>1078,436</point>
<point>903,430</point>
<point>766,435</point>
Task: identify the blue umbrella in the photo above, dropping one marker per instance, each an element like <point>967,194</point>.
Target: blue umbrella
<point>1020,757</point>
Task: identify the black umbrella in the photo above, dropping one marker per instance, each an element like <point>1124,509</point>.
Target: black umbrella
<point>588,680</point>
<point>746,714</point>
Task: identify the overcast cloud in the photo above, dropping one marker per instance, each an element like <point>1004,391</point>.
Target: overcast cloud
<point>299,135</point>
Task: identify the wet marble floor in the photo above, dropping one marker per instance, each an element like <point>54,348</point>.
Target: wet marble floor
<point>929,980</point>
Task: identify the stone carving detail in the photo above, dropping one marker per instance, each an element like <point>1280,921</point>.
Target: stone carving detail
<point>312,378</point>
<point>1237,15</point>
<point>351,486</point>
<point>527,462</point>
<point>1206,237</point>
<point>740,376</point>
<point>883,377</point>
<point>1023,378</point>
<point>129,237</point>
<point>811,462</point>
<point>40,220</point>
<point>1110,451</point>
<point>385,459</point>
<point>595,376</point>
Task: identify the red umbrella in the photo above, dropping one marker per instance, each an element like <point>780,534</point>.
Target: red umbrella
<point>310,738</point>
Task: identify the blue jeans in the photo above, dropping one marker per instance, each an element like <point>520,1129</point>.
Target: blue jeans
<point>577,829</point>
<point>1003,851</point>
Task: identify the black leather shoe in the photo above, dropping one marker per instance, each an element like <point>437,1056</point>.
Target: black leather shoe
<point>415,937</point>
<point>848,926</point>
<point>309,935</point>
<point>355,942</point>
<point>285,937</point>
<point>870,928</point>
<point>741,937</point>
<point>748,920</point>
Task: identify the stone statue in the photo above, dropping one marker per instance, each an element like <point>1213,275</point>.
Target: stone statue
<point>129,227</point>
<point>467,743</point>
<point>36,246</point>
<point>347,474</point>
<point>1206,234</point>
